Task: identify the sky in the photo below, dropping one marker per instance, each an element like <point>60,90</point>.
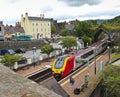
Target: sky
<point>60,10</point>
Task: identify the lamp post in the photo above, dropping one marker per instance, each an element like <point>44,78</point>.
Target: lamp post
<point>108,53</point>
<point>34,53</point>
<point>95,59</point>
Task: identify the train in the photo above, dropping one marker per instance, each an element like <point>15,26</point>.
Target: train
<point>64,65</point>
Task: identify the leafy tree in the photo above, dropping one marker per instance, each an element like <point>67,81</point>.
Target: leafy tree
<point>69,42</point>
<point>87,39</point>
<point>84,30</point>
<point>111,81</point>
<point>47,49</point>
<point>53,29</point>
<point>64,32</point>
<point>9,60</point>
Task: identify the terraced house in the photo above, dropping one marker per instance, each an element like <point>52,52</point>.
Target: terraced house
<point>38,27</point>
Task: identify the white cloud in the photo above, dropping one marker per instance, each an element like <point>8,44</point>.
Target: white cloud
<point>11,10</point>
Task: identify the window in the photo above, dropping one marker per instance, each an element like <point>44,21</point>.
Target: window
<point>37,30</point>
<point>59,62</point>
<point>33,24</point>
<point>87,54</point>
<point>0,28</point>
<point>41,29</point>
<point>36,24</point>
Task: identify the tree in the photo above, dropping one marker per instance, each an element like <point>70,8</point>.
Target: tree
<point>84,30</point>
<point>86,40</point>
<point>69,42</point>
<point>9,60</point>
<point>64,32</point>
<point>111,81</point>
<point>53,29</point>
<point>47,49</point>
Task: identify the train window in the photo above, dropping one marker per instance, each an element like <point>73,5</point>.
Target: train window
<point>87,54</point>
<point>59,63</point>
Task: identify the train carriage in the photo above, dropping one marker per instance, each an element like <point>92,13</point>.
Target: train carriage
<point>64,65</point>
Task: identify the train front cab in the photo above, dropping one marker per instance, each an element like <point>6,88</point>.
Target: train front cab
<point>62,66</point>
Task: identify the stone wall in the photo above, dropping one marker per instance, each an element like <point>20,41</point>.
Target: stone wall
<point>21,44</point>
<point>15,85</point>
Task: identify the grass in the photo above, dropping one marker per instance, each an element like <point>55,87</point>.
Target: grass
<point>116,56</point>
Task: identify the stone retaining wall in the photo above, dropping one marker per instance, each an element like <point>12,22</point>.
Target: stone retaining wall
<point>21,44</point>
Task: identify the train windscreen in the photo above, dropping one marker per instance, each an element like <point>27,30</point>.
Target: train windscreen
<point>59,62</point>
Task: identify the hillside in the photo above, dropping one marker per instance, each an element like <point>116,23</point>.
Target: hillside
<point>115,21</point>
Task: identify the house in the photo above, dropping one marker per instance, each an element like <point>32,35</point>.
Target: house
<point>80,44</point>
<point>1,31</point>
<point>38,27</point>
<point>10,30</point>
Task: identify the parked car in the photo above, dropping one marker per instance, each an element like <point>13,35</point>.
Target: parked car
<point>20,50</point>
<point>7,51</point>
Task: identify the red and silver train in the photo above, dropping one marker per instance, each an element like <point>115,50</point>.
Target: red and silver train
<point>65,64</point>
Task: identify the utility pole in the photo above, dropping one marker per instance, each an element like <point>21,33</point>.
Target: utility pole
<point>95,60</point>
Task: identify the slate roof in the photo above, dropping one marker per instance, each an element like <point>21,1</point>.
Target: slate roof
<point>39,19</point>
<point>15,85</point>
<point>53,85</point>
<point>70,26</point>
<point>11,30</point>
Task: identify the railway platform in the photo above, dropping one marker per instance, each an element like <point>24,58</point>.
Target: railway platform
<point>79,77</point>
<point>94,79</point>
<point>31,69</point>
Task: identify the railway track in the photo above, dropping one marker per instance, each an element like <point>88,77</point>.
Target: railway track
<point>40,75</point>
<point>46,72</point>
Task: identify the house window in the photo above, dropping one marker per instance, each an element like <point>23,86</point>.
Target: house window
<point>0,28</point>
<point>33,24</point>
<point>45,29</point>
<point>36,24</point>
<point>37,30</point>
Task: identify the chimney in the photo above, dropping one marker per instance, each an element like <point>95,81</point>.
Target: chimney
<point>26,15</point>
<point>42,16</point>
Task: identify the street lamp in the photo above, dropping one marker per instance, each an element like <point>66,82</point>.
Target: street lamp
<point>108,53</point>
<point>34,53</point>
<point>95,59</point>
